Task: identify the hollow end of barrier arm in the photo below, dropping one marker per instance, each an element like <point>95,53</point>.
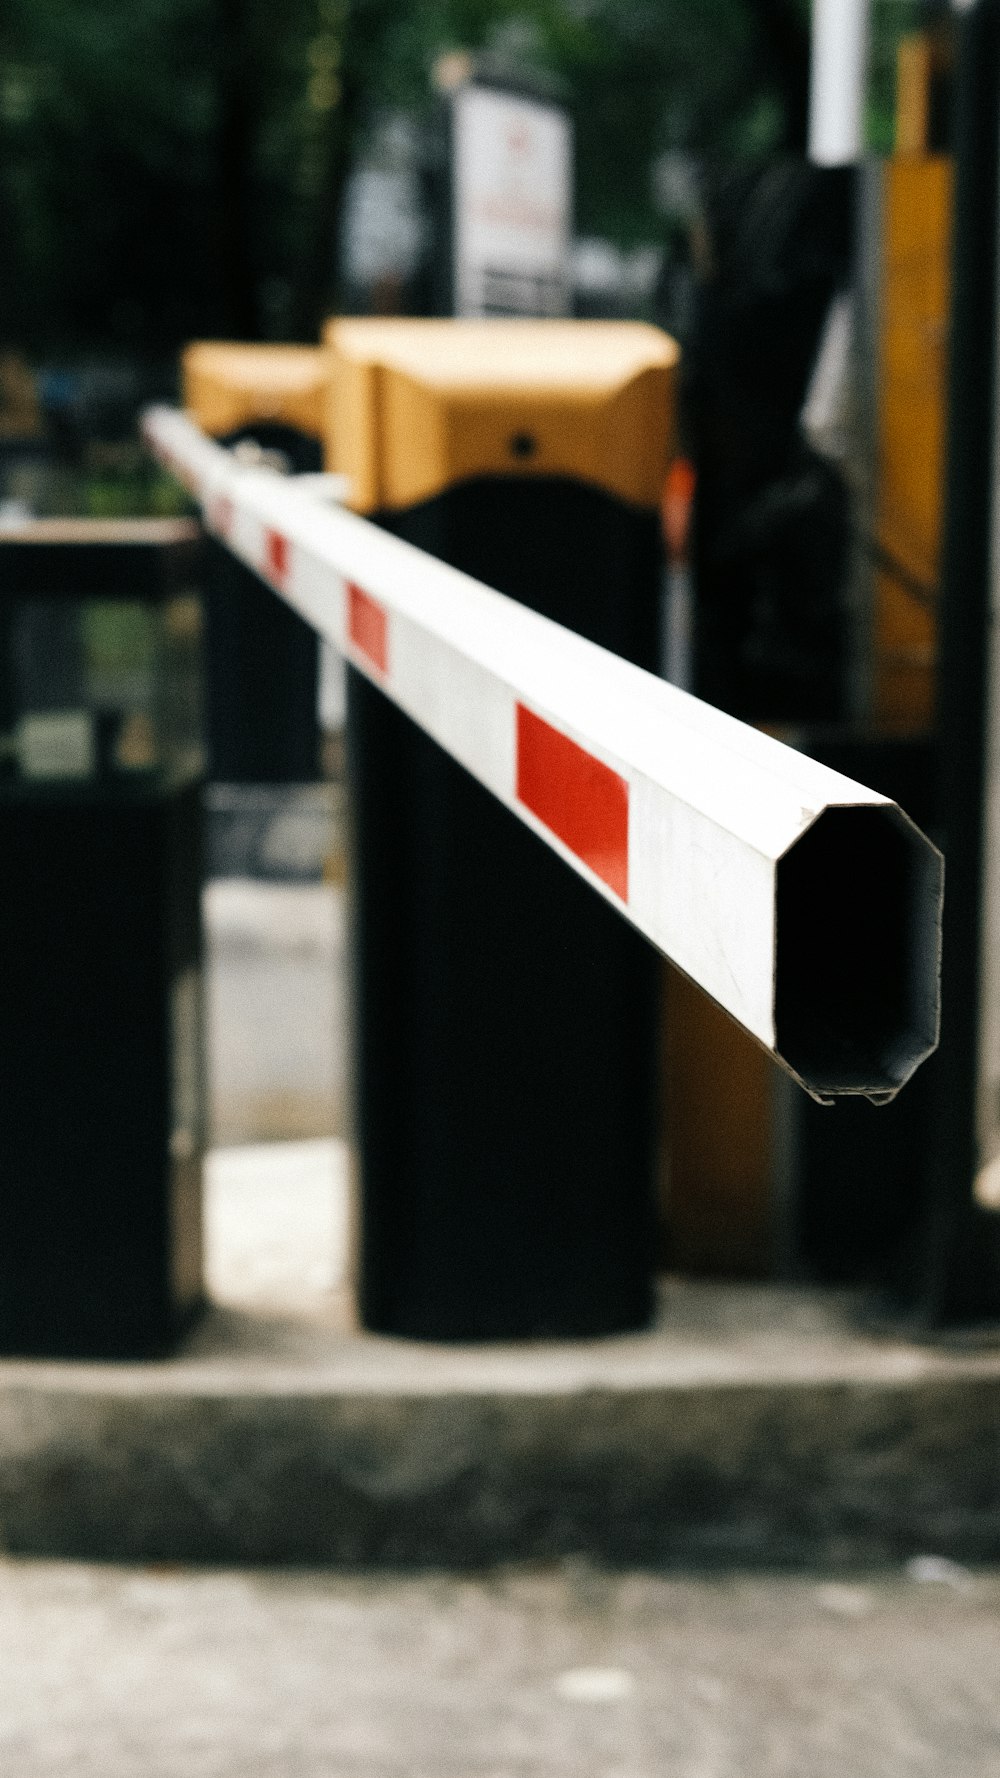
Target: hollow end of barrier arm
<point>858,963</point>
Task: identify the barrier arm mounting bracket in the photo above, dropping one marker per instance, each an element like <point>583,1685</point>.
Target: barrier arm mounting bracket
<point>806,905</point>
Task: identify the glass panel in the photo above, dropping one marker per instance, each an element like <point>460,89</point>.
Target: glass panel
<point>100,688</point>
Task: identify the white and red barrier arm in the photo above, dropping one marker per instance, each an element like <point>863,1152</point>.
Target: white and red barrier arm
<point>806,905</point>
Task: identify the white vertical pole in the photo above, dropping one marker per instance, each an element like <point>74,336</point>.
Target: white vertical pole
<point>839,80</point>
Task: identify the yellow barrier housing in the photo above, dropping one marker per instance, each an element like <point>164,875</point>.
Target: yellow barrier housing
<point>228,386</point>
<point>417,407</point>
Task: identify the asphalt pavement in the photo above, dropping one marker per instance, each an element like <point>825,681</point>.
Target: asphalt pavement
<point>276,1010</point>
<point>167,1673</point>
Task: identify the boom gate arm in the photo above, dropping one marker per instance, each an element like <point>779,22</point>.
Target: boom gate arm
<point>806,905</point>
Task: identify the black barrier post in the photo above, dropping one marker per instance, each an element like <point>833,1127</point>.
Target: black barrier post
<point>848,1177</point>
<point>261,659</point>
<point>956,1265</point>
<point>506,1044</point>
<point>913,1219</point>
<point>100,1007</point>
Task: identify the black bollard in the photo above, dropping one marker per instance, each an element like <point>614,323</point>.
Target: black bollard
<point>505,1018</point>
<point>101,1115</point>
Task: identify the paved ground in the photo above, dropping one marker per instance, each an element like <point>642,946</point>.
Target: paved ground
<point>275,1009</point>
<point>108,1673</point>
<point>276,1225</point>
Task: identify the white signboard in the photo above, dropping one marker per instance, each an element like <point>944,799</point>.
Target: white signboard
<point>512,197</point>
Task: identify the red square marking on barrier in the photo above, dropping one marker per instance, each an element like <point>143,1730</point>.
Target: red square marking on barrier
<point>368,627</point>
<point>580,799</point>
<point>277,556</point>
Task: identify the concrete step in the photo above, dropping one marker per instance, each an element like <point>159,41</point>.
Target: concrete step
<point>750,1426</point>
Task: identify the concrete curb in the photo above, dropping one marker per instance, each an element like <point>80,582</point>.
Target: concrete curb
<point>751,1427</point>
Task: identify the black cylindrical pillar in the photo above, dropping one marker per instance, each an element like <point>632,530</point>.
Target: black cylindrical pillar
<point>506,1018</point>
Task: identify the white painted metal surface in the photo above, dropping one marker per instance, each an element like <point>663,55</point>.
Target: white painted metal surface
<point>805,904</point>
<point>840,38</point>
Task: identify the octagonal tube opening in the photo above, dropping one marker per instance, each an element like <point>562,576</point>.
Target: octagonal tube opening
<point>858,952</point>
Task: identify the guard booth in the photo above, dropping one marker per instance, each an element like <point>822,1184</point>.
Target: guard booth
<point>261,660</point>
<point>101,1110</point>
<point>506,1019</point>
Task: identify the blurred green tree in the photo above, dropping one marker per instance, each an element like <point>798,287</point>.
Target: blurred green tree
<point>174,168</point>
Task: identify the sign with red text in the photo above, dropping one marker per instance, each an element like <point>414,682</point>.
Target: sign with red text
<point>512,182</point>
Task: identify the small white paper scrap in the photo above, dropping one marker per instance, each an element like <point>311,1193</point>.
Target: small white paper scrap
<point>595,1685</point>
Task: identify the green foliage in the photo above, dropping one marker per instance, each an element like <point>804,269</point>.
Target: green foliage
<point>891,19</point>
<point>174,168</point>
<point>132,491</point>
<point>107,166</point>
